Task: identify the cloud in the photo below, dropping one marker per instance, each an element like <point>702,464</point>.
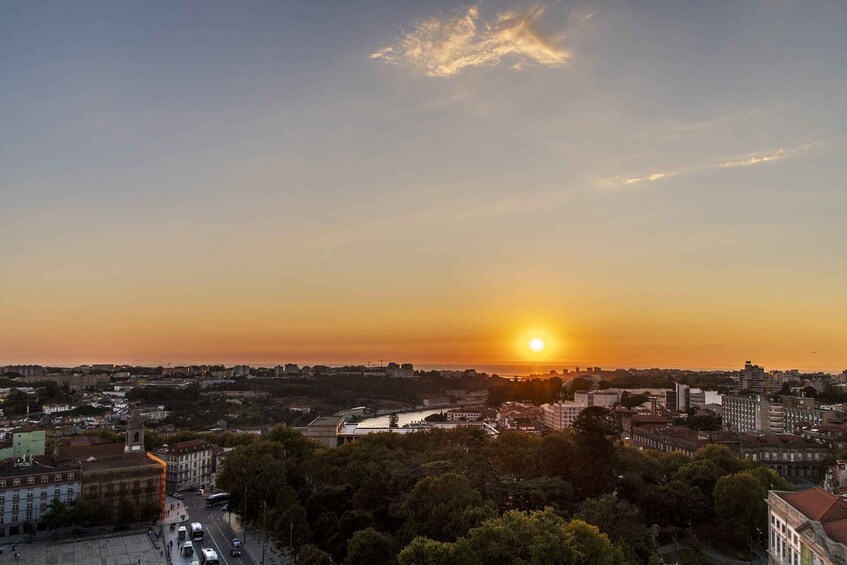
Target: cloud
<point>745,160</point>
<point>443,46</point>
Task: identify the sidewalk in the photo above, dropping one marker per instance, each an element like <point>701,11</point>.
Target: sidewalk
<point>253,543</point>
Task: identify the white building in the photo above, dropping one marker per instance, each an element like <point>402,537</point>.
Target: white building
<point>561,415</point>
<point>601,398</point>
<point>189,464</point>
<point>58,407</point>
<point>28,488</point>
<point>465,415</point>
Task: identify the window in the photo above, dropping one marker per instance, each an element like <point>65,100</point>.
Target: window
<point>70,490</point>
<point>2,484</point>
<point>45,479</point>
<point>57,478</point>
<point>70,476</point>
<point>30,480</point>
<point>56,491</point>
<point>16,482</point>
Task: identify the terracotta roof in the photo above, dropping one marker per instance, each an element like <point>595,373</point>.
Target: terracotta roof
<point>837,530</point>
<point>641,419</point>
<point>819,505</point>
<point>97,451</point>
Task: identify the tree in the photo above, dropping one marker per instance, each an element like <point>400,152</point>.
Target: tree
<point>292,526</point>
<point>740,507</point>
<point>770,479</point>
<point>393,418</point>
<point>367,547</point>
<point>513,454</point>
<point>127,512</point>
<point>810,392</point>
<point>721,456</point>
<point>444,508</point>
<point>596,431</point>
<point>149,511</point>
<point>537,538</point>
<point>58,515</point>
<point>620,520</point>
<point>311,555</point>
<point>555,455</point>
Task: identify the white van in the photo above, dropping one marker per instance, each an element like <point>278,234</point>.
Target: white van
<point>181,532</point>
<point>187,549</point>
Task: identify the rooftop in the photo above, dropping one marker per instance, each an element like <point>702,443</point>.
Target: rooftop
<point>819,505</point>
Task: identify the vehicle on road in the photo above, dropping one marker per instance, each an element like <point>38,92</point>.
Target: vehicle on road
<point>181,532</point>
<point>196,531</point>
<point>217,498</point>
<point>235,542</point>
<point>178,496</point>
<point>187,549</point>
<point>209,557</point>
<point>235,551</point>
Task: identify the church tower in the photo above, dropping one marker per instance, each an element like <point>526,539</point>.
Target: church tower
<point>135,433</point>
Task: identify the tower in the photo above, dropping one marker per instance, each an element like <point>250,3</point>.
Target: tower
<point>134,433</point>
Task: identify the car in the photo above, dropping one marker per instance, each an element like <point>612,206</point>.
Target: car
<point>235,551</point>
<point>235,542</point>
<point>201,491</point>
<point>178,495</point>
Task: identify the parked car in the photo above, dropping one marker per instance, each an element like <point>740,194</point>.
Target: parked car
<point>178,495</point>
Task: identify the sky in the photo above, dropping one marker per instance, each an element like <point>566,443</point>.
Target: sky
<point>638,183</point>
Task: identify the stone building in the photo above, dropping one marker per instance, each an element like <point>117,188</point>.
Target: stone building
<point>190,464</point>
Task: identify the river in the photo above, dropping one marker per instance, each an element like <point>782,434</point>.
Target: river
<point>402,419</point>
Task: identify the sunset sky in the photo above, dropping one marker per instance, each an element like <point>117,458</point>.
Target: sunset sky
<point>641,183</point>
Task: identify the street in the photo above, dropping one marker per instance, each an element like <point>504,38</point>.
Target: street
<point>217,532</point>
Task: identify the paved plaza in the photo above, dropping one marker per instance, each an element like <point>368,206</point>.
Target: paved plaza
<point>131,549</point>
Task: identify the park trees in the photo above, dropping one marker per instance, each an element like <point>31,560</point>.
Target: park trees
<point>515,537</point>
<point>444,508</point>
<point>740,507</point>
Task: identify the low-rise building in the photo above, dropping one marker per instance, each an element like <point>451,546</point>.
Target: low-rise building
<point>464,414</point>
<point>26,490</point>
<point>808,527</point>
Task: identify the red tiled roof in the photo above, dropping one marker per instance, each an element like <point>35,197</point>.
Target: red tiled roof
<point>837,530</point>
<point>819,505</point>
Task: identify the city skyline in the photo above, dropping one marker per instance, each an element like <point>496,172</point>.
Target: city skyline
<point>639,185</point>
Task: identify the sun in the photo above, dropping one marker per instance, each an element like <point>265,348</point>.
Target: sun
<point>536,344</point>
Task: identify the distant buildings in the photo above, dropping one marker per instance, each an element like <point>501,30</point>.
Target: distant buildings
<point>23,370</point>
<point>683,398</point>
<point>757,412</point>
<point>808,527</point>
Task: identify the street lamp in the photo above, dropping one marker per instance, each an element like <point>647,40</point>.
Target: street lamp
<point>264,528</point>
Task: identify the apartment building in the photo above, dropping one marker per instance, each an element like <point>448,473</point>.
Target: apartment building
<point>189,464</point>
<point>26,490</point>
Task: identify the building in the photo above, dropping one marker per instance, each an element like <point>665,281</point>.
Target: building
<point>601,398</point>
<point>112,472</point>
<point>23,370</point>
<point>26,490</point>
<point>464,414</point>
<point>745,413</point>
<point>189,464</point>
<point>683,398</point>
<point>23,443</point>
<point>561,415</point>
<point>240,371</point>
<point>48,409</point>
<point>325,430</point>
<point>752,378</point>
<point>154,413</point>
<point>808,527</point>
<point>407,370</point>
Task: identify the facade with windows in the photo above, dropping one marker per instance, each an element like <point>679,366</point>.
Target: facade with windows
<point>561,415</point>
<point>189,464</point>
<point>26,490</point>
<point>808,527</point>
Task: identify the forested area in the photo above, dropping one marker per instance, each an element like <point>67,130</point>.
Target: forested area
<point>459,497</point>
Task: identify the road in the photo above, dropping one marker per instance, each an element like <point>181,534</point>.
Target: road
<point>217,532</point>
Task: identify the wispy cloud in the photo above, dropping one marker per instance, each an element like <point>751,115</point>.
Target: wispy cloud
<point>443,46</point>
<point>746,160</point>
